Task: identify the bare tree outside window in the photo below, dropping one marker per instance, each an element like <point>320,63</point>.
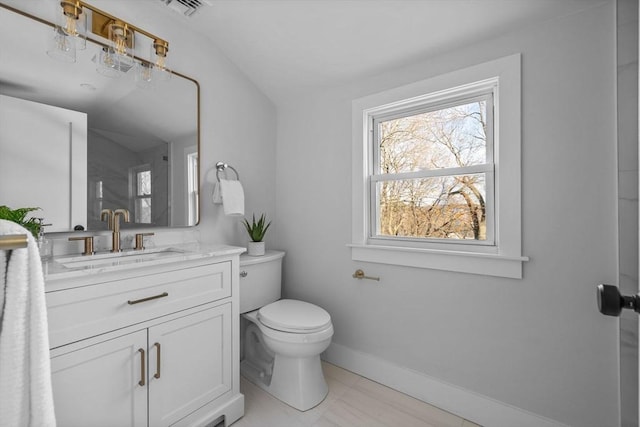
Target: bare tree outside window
<point>143,196</point>
<point>426,186</point>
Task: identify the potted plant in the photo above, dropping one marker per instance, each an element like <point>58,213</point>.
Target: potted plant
<point>19,216</point>
<point>256,232</point>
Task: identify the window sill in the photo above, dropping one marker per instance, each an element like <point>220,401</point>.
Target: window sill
<point>458,261</point>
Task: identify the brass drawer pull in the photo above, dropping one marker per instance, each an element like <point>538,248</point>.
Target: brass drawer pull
<point>157,374</point>
<point>142,364</point>
<point>137,301</point>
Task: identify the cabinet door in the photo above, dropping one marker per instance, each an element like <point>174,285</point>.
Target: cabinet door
<point>99,385</point>
<point>189,364</point>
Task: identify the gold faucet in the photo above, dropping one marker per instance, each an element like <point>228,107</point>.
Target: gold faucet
<point>115,222</point>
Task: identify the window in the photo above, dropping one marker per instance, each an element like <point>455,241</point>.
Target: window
<point>432,170</point>
<point>437,172</point>
<point>142,194</point>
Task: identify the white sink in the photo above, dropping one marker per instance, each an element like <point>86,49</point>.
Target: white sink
<point>119,258</point>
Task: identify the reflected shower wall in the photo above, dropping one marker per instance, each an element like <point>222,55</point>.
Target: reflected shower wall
<point>112,182</point>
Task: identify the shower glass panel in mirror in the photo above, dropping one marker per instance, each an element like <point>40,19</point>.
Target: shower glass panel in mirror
<point>139,150</point>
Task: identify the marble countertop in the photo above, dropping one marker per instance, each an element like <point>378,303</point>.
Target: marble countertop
<point>73,266</point>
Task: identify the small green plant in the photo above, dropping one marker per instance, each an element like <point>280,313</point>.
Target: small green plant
<point>19,216</point>
<point>258,229</point>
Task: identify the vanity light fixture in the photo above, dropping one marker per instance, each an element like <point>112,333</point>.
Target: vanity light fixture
<point>117,56</point>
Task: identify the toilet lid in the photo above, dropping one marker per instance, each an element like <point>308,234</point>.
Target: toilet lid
<point>294,316</point>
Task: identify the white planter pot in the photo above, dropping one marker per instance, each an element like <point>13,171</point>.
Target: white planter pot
<point>256,249</point>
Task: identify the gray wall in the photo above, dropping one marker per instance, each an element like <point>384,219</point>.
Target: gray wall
<point>538,344</point>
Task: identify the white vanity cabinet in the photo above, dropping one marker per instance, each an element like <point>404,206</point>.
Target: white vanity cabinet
<point>156,346</point>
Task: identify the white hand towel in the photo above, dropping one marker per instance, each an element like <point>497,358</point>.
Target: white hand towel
<point>232,197</point>
<point>26,397</point>
<point>217,195</point>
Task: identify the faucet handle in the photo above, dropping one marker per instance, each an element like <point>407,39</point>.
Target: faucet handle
<point>140,240</point>
<point>88,244</point>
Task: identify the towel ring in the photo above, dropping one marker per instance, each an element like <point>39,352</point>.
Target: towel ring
<point>220,167</point>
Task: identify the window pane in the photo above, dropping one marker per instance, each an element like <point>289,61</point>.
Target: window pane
<point>449,207</point>
<point>99,190</point>
<point>192,188</point>
<point>446,138</point>
<point>143,211</point>
<point>144,183</point>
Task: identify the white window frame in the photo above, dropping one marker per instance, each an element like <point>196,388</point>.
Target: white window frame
<point>503,256</point>
<point>193,196</point>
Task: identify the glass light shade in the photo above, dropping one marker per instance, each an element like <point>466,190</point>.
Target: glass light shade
<point>162,74</point>
<point>62,46</point>
<point>73,22</point>
<point>108,63</point>
<point>122,39</point>
<point>159,50</point>
<point>145,75</point>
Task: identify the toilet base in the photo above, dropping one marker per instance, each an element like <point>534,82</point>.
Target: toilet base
<point>298,382</point>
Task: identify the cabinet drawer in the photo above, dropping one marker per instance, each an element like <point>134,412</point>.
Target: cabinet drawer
<point>86,311</point>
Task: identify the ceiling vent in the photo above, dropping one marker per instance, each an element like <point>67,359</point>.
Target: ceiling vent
<point>186,7</point>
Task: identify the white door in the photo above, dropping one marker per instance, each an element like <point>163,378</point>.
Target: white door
<point>113,373</point>
<point>189,364</point>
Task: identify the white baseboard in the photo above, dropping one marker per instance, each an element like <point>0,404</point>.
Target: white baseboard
<point>467,404</point>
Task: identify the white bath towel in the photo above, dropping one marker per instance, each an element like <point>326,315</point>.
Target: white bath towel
<point>26,397</point>
<point>232,197</point>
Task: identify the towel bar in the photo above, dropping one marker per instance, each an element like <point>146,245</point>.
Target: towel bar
<point>13,241</point>
<point>220,167</point>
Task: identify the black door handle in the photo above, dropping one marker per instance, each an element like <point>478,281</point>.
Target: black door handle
<point>611,303</point>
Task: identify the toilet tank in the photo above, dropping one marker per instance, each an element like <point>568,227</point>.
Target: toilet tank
<point>260,280</point>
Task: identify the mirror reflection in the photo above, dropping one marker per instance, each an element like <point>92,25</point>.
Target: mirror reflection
<point>74,142</point>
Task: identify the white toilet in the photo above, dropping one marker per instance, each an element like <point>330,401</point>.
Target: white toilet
<point>281,338</point>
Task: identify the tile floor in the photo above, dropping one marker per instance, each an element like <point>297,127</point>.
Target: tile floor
<point>353,401</point>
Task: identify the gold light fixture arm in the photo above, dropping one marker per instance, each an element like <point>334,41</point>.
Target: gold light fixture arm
<point>102,19</point>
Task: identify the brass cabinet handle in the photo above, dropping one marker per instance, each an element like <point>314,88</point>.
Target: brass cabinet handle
<point>157,375</point>
<point>137,301</point>
<point>142,365</point>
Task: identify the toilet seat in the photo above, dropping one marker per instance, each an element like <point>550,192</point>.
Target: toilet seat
<point>294,316</point>
<point>298,337</point>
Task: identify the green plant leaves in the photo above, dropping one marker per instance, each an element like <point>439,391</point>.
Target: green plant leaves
<point>257,230</point>
<point>19,217</point>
